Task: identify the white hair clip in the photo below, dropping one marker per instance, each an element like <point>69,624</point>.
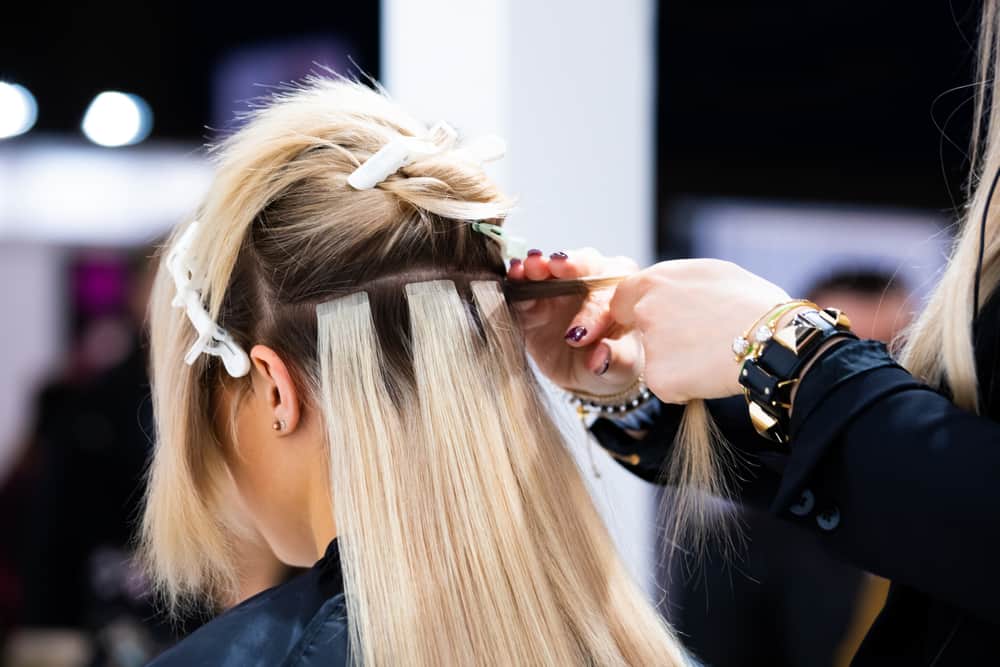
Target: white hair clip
<point>212,339</point>
<point>403,151</point>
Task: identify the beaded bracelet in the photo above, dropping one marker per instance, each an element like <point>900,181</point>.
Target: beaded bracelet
<point>625,401</point>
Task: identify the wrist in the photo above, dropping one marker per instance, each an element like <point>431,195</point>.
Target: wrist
<point>750,343</point>
<point>771,372</point>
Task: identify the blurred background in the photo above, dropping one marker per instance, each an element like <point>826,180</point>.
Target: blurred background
<point>822,145</point>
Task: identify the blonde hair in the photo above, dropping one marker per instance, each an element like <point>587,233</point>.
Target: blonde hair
<point>466,533</point>
<point>938,346</point>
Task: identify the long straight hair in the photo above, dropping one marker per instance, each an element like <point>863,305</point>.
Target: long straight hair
<point>466,533</point>
<point>938,347</point>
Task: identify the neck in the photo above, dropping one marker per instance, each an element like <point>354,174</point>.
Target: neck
<point>324,528</point>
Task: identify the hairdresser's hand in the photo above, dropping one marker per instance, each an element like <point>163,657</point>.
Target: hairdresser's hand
<point>688,313</point>
<point>574,340</point>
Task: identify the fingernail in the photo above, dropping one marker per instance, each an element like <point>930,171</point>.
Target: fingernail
<point>559,255</point>
<point>534,252</point>
<point>515,262</point>
<point>576,334</point>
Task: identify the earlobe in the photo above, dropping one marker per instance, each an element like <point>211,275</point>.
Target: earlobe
<point>283,397</point>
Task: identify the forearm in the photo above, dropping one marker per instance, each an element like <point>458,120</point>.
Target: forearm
<point>902,482</point>
<point>893,476</point>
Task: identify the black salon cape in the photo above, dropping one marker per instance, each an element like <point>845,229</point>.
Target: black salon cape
<point>302,623</point>
<point>894,478</point>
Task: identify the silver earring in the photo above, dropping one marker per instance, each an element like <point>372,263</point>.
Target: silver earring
<point>278,425</point>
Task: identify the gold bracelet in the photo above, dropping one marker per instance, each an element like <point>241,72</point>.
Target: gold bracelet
<point>762,330</point>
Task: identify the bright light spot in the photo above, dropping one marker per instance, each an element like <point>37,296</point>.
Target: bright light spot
<point>117,119</point>
<point>18,110</point>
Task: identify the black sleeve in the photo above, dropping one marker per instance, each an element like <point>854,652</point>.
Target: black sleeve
<point>643,457</point>
<point>755,482</point>
<point>890,473</point>
<point>901,482</point>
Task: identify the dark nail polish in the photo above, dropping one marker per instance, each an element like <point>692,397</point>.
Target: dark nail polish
<point>559,255</point>
<point>534,252</point>
<point>515,262</point>
<point>576,334</point>
<point>604,367</point>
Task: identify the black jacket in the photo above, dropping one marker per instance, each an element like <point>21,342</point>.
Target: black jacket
<point>302,623</point>
<point>894,478</point>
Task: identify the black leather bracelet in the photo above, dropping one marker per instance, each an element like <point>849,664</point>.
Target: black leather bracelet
<point>769,376</point>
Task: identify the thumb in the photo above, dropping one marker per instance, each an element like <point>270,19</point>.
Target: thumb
<point>627,294</point>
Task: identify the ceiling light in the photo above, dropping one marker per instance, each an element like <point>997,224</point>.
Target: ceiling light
<point>117,119</point>
<point>18,110</point>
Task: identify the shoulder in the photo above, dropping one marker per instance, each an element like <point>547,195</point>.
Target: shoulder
<point>302,622</point>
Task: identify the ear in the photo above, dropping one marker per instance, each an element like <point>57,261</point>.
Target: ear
<point>282,397</point>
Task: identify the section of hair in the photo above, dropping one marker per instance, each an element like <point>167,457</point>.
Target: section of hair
<point>702,467</point>
<point>368,474</point>
<point>459,507</point>
<point>563,520</point>
<point>188,527</point>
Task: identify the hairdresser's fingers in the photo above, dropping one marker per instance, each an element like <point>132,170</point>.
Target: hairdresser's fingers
<point>564,266</point>
<point>578,264</point>
<point>592,321</point>
<point>588,262</point>
<point>627,295</point>
<point>536,265</point>
<point>617,361</point>
<point>516,270</point>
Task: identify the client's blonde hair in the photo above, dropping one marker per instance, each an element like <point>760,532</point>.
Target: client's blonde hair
<point>466,533</point>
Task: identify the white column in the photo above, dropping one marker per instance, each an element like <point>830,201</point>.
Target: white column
<point>31,337</point>
<point>569,84</point>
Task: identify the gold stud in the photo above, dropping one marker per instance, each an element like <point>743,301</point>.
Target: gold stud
<point>786,338</point>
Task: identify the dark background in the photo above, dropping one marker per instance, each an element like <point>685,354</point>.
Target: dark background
<point>164,52</point>
<point>777,99</point>
<point>823,101</point>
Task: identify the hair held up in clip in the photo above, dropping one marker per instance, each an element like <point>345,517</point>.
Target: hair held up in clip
<point>466,533</point>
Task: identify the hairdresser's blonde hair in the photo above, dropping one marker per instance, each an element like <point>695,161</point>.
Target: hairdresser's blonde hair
<point>938,346</point>
<point>466,533</point>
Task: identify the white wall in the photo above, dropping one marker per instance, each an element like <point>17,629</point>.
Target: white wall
<point>67,191</point>
<point>569,84</point>
<point>31,331</point>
